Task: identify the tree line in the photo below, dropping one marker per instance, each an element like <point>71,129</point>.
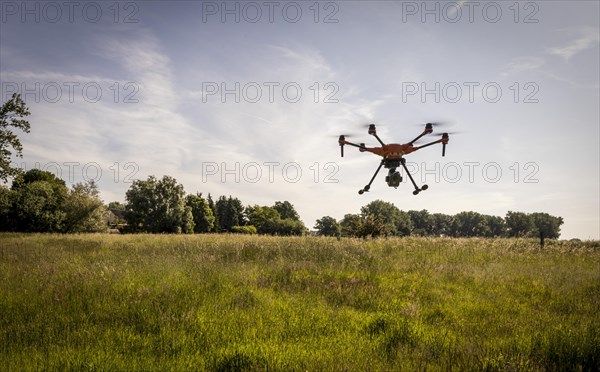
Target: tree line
<point>38,201</point>
<point>380,218</point>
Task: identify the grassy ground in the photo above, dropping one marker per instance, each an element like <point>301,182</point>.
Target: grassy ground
<point>144,302</point>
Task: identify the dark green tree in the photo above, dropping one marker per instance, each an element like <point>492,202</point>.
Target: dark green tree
<point>230,212</point>
<point>328,226</point>
<point>496,226</point>
<point>12,114</point>
<point>545,225</point>
<point>39,204</point>
<point>441,224</point>
<point>469,224</point>
<point>213,208</point>
<point>158,206</point>
<point>405,225</point>
<point>7,200</point>
<point>518,224</point>
<point>203,217</point>
<point>421,221</point>
<point>286,210</point>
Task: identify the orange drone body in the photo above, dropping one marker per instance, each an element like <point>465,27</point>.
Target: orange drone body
<point>393,155</point>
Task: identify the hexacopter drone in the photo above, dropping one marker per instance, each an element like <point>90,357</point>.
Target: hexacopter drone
<point>392,155</point>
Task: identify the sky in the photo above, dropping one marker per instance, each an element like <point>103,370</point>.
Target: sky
<point>249,98</point>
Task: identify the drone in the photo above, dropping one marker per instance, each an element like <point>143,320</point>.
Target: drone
<point>393,156</point>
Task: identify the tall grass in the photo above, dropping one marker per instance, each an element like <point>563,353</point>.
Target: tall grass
<point>225,302</point>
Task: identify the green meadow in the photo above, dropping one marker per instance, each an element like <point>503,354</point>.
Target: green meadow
<point>233,302</point>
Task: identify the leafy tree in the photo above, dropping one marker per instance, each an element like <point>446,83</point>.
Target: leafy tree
<point>12,114</point>
<point>84,209</point>
<point>387,212</point>
<point>328,226</point>
<point>286,210</point>
<point>405,225</point>
<point>362,226</point>
<point>115,205</point>
<point>441,224</point>
<point>284,227</point>
<point>496,226</point>
<point>518,224</point>
<point>7,199</point>
<point>203,217</point>
<point>421,221</point>
<point>546,225</point>
<point>259,217</point>
<point>468,224</point>
<point>39,202</point>
<point>158,206</point>
<point>229,213</point>
<point>213,208</point>
<point>350,225</point>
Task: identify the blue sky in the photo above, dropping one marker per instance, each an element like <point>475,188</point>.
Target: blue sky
<point>132,89</point>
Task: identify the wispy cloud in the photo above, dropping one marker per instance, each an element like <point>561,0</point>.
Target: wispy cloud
<point>587,38</point>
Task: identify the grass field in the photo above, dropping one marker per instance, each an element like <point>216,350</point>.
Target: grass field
<point>227,302</point>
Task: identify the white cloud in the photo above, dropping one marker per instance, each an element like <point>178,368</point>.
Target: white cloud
<point>588,37</point>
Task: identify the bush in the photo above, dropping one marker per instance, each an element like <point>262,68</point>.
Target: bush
<point>244,230</point>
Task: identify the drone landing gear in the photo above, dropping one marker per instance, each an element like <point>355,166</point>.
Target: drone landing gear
<point>417,189</point>
<point>368,187</point>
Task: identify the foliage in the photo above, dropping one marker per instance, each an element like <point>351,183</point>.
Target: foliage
<point>259,217</point>
<point>204,219</point>
<point>387,212</point>
<point>421,222</point>
<point>157,206</point>
<point>12,114</point>
<point>248,229</point>
<point>328,226</point>
<point>85,211</point>
<point>547,225</point>
<point>286,210</point>
<point>363,226</point>
<point>7,199</point>
<point>229,213</point>
<point>39,203</point>
<point>518,224</point>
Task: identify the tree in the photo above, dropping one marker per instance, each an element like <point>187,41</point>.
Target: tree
<point>7,199</point>
<point>284,227</point>
<point>362,226</point>
<point>39,202</point>
<point>441,224</point>
<point>259,217</point>
<point>386,212</point>
<point>213,208</point>
<point>286,210</point>
<point>350,225</point>
<point>204,219</point>
<point>421,221</point>
<point>84,209</point>
<point>546,226</point>
<point>518,224</point>
<point>158,206</point>
<point>328,226</point>
<point>469,224</point>
<point>496,226</point>
<point>11,115</point>
<point>229,213</point>
<point>405,225</point>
